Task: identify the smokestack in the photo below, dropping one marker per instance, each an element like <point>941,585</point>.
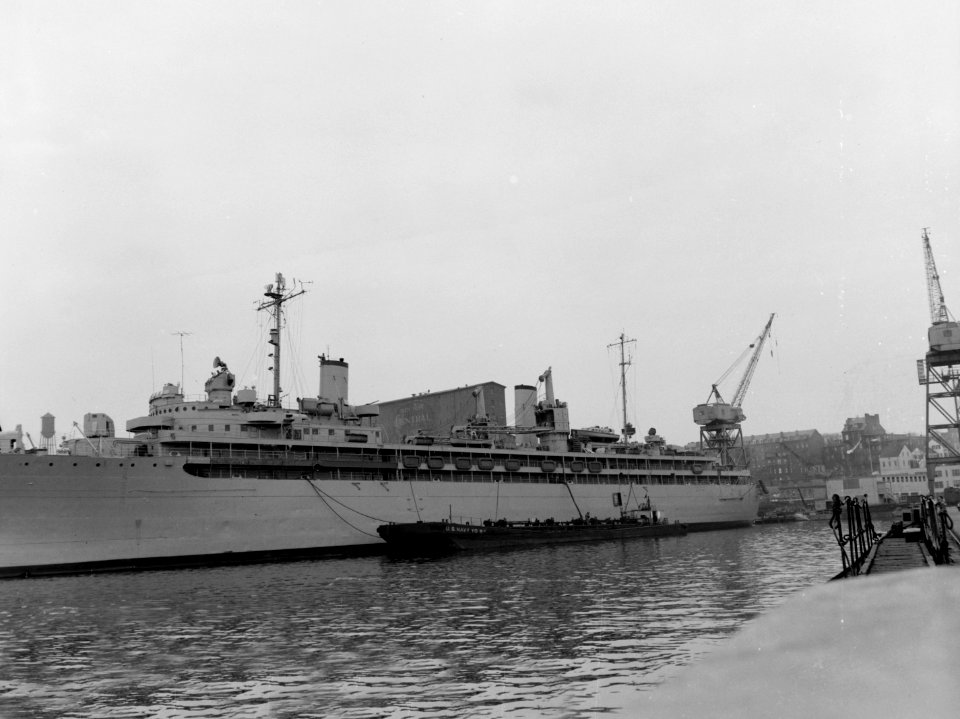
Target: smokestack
<point>333,379</point>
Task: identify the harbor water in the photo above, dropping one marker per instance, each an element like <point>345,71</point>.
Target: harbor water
<point>557,631</point>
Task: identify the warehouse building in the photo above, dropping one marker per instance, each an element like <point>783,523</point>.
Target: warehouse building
<point>436,412</point>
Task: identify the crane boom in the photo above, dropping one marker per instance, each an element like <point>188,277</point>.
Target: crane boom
<point>752,366</point>
<point>938,308</point>
<point>944,332</point>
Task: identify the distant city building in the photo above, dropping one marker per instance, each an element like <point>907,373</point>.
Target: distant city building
<point>902,475</point>
<point>871,487</point>
<point>786,457</point>
<point>863,438</point>
<point>903,470</point>
<point>807,467</point>
<point>834,454</point>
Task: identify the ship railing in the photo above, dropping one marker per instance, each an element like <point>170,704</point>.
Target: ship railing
<point>241,455</point>
<point>854,532</point>
<point>934,521</point>
<point>253,456</point>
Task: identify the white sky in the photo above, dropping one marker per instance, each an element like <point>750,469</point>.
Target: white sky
<point>476,191</point>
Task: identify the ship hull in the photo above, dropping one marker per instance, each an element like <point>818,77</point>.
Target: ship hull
<point>63,514</point>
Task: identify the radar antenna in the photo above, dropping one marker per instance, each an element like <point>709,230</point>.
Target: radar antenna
<point>182,334</point>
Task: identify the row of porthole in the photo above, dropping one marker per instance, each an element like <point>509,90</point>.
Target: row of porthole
<point>175,409</point>
<point>487,464</point>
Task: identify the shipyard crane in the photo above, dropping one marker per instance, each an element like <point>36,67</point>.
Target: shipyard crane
<point>944,332</point>
<point>939,372</point>
<point>720,420</point>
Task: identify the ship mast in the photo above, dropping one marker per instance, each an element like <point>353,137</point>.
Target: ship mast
<point>628,429</point>
<point>278,294</point>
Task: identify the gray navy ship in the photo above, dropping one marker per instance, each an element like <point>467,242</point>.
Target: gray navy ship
<point>230,478</point>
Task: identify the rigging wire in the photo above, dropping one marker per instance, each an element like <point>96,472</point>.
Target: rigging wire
<point>737,361</point>
<point>258,356</point>
<point>295,335</point>
<point>613,393</point>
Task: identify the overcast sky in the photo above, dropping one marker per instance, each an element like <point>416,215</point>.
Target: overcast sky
<point>475,191</point>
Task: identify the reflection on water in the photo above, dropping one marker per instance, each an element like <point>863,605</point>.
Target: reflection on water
<point>552,631</point>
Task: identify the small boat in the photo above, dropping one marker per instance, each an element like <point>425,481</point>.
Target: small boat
<point>443,537</point>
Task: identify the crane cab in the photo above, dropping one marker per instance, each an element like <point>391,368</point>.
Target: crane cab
<point>944,337</point>
<point>718,413</point>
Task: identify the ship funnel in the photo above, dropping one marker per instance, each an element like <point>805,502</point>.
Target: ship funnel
<point>524,404</point>
<point>524,412</point>
<point>333,379</point>
<point>481,406</point>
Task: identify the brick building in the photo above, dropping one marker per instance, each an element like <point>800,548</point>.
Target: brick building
<point>863,438</point>
<point>786,457</point>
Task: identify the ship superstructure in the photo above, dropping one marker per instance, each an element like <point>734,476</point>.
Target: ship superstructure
<point>230,478</point>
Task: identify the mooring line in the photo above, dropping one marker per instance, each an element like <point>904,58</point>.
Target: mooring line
<point>415,505</point>
<point>323,499</point>
<point>345,506</point>
<point>566,484</point>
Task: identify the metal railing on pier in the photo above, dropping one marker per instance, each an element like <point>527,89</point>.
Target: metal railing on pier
<point>935,521</point>
<point>858,537</point>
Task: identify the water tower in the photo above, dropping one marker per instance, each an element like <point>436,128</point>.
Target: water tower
<point>47,433</point>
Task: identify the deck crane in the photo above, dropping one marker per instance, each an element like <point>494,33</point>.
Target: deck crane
<point>939,372</point>
<point>720,420</point>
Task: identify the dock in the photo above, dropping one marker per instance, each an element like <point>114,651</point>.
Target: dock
<point>925,536</point>
<point>880,644</point>
<point>876,646</point>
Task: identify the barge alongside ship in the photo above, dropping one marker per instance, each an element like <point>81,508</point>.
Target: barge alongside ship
<point>445,537</point>
<point>230,478</point>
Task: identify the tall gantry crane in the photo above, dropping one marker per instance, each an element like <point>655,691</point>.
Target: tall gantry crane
<point>939,372</point>
<point>719,420</point>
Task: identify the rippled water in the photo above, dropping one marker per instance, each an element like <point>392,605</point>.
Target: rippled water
<point>551,631</point>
